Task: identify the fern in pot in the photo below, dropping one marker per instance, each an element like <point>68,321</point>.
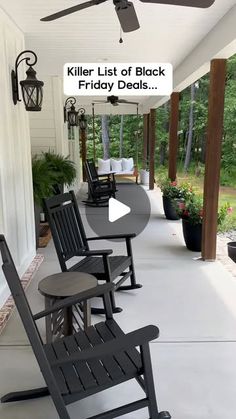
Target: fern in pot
<point>62,169</point>
<point>42,187</point>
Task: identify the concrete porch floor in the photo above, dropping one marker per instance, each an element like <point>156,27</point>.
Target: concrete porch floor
<point>193,304</point>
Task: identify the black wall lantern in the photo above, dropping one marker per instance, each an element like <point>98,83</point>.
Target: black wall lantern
<point>31,87</point>
<point>70,114</point>
<point>82,119</point>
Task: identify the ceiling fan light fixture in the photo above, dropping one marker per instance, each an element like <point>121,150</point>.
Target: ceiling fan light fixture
<point>127,16</point>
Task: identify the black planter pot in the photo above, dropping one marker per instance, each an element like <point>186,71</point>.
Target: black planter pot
<point>169,209</point>
<point>232,250</point>
<point>192,236</point>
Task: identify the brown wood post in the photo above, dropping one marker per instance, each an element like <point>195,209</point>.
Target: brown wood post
<point>145,140</point>
<point>83,138</point>
<point>173,135</point>
<point>152,141</point>
<point>213,157</point>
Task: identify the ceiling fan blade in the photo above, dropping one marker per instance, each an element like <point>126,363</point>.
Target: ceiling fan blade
<point>127,16</point>
<point>72,9</point>
<point>127,102</point>
<point>188,3</point>
<point>100,101</point>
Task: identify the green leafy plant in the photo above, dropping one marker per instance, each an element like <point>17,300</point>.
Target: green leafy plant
<point>42,180</point>
<point>192,210</point>
<point>169,189</point>
<point>174,191</point>
<point>62,168</point>
<point>224,211</point>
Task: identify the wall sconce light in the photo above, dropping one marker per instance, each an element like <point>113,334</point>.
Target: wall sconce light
<point>31,87</point>
<point>82,119</point>
<point>70,114</point>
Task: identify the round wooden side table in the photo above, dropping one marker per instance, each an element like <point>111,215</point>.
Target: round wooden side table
<point>59,286</point>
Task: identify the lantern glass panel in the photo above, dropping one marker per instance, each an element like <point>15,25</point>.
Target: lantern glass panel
<point>32,96</point>
<point>73,118</point>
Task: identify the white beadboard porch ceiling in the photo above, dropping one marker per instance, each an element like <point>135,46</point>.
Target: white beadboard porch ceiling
<point>167,33</point>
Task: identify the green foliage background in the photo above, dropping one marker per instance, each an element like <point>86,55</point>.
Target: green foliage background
<point>133,130</point>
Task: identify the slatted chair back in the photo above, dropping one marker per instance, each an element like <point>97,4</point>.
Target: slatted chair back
<point>66,226</point>
<point>25,313</point>
<point>92,169</point>
<point>87,172</point>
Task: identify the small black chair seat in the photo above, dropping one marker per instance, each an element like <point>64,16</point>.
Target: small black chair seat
<point>96,374</point>
<point>94,265</point>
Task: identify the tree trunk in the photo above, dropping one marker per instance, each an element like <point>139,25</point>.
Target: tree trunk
<point>163,146</point>
<point>190,133</point>
<point>121,134</point>
<point>105,137</point>
<point>203,146</point>
<point>162,153</point>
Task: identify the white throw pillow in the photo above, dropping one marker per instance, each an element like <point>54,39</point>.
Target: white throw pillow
<point>116,165</point>
<point>104,166</point>
<point>128,164</point>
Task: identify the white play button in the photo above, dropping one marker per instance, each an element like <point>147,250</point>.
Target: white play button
<point>117,210</point>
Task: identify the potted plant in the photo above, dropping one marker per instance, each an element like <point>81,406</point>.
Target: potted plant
<point>227,210</point>
<point>191,212</point>
<point>172,193</point>
<point>42,187</point>
<point>232,250</point>
<point>62,169</point>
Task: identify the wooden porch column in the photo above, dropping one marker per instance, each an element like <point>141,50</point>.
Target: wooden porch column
<point>152,141</point>
<point>173,135</point>
<point>83,138</point>
<point>145,140</point>
<point>213,157</point>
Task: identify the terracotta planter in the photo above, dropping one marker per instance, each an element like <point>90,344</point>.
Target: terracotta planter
<point>169,209</point>
<point>192,235</point>
<point>232,250</point>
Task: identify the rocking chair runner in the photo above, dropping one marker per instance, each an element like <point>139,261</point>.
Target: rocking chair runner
<point>70,241</point>
<point>88,362</point>
<point>99,189</point>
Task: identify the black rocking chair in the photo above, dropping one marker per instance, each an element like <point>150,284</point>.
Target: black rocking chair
<point>85,363</point>
<point>70,241</point>
<point>100,188</point>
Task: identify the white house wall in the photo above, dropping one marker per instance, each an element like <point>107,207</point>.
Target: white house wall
<point>46,127</point>
<point>16,194</point>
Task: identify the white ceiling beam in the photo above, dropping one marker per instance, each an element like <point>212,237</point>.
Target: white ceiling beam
<point>220,42</point>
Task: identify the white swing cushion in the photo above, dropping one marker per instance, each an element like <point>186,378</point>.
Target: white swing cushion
<point>116,165</point>
<point>128,165</point>
<point>104,166</point>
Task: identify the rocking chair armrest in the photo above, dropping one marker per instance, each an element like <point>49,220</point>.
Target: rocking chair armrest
<point>122,343</point>
<point>101,252</point>
<point>97,291</point>
<point>114,236</point>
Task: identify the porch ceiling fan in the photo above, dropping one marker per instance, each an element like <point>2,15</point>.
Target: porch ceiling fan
<point>125,10</point>
<point>115,101</point>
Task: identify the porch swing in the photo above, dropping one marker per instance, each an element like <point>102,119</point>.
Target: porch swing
<point>122,167</point>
